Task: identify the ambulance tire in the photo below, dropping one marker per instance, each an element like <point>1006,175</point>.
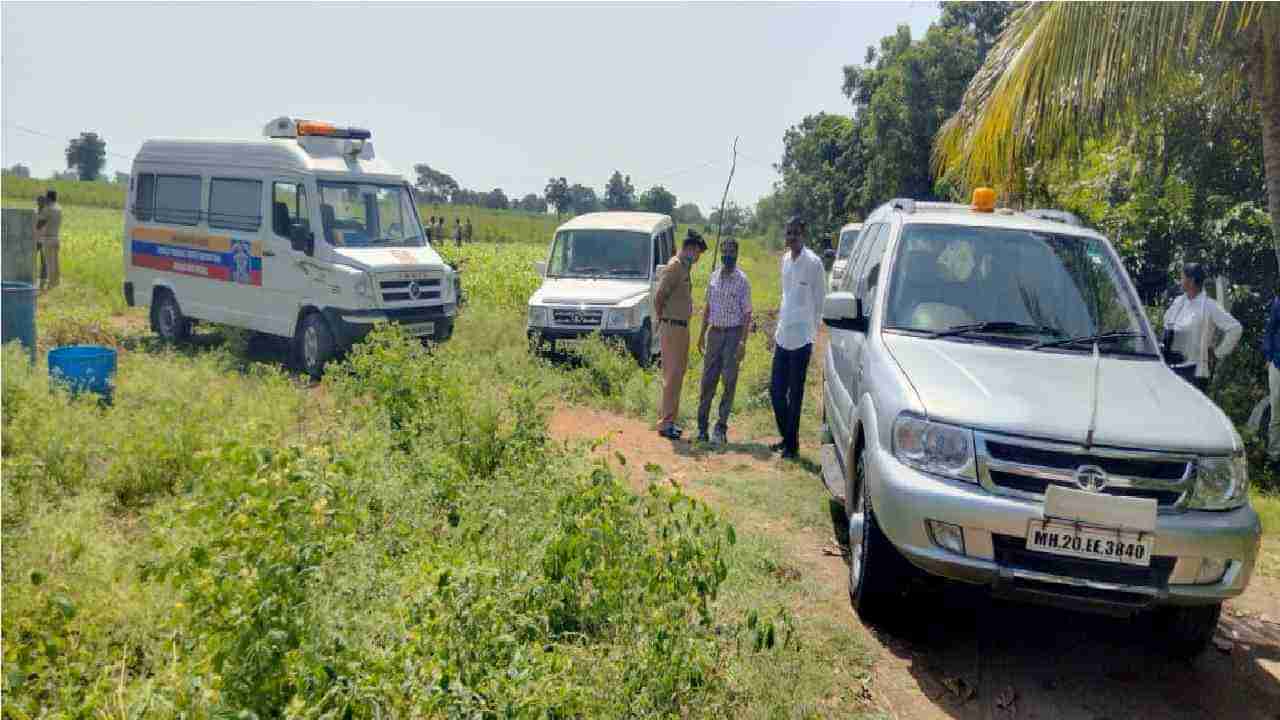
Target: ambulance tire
<point>167,319</point>
<point>313,344</point>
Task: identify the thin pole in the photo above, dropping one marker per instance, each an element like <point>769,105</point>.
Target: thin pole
<point>720,226</point>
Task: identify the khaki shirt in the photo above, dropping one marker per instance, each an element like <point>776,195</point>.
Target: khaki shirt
<point>51,217</point>
<point>674,299</point>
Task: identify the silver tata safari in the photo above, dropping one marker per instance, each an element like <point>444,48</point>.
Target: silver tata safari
<point>1001,415</point>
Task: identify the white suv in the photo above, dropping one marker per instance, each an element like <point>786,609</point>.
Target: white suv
<point>600,278</point>
<point>1001,415</point>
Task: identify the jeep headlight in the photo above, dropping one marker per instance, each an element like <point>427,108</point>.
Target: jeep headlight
<point>537,316</point>
<point>1222,483</point>
<point>364,286</point>
<point>934,447</point>
<point>619,318</point>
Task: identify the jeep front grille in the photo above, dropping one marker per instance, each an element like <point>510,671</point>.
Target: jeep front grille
<point>1025,468</point>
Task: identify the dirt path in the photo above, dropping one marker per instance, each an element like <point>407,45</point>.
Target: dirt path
<point>971,657</point>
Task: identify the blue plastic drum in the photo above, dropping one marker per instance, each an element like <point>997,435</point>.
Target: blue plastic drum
<point>19,315</point>
<point>84,368</point>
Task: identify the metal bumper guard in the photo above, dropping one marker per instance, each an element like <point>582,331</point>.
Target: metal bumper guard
<point>350,326</point>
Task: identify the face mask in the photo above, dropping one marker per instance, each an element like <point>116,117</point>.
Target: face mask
<point>729,260</point>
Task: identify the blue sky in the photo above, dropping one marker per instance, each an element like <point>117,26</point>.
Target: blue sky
<point>497,95</point>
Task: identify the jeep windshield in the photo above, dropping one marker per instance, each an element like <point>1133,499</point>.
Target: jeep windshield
<point>368,215</point>
<point>1018,287</point>
<point>600,254</point>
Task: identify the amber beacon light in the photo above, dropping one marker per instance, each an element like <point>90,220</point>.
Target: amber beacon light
<point>984,199</point>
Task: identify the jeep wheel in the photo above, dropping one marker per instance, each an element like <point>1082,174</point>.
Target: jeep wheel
<point>1186,631</point>
<point>642,346</point>
<point>878,574</point>
<point>167,319</point>
<point>313,345</point>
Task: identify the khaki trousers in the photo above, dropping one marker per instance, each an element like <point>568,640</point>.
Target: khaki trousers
<point>53,270</point>
<point>675,360</point>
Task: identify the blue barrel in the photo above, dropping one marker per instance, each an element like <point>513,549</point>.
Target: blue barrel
<point>84,368</point>
<point>19,311</point>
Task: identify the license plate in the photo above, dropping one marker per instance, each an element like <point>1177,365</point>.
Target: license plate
<point>1093,543</point>
<point>418,329</point>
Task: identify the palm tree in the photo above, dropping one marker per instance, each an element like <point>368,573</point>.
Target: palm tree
<point>1062,72</point>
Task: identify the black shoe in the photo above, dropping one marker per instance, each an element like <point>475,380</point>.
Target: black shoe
<point>678,428</point>
<point>703,437</point>
<point>670,432</point>
<point>778,447</point>
<point>790,454</point>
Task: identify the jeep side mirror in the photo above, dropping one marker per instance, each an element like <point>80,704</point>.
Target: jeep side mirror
<point>843,311</point>
<point>302,239</point>
<point>540,268</point>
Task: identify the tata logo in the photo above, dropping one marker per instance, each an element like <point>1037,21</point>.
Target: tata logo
<point>415,290</point>
<point>1090,478</point>
<point>577,318</point>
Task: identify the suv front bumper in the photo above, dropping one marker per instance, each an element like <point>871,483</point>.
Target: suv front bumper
<point>995,529</point>
<point>536,334</point>
<point>350,326</point>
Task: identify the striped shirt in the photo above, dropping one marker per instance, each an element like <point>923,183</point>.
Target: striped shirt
<point>728,299</point>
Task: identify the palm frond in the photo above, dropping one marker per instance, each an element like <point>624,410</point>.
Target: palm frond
<point>1062,72</point>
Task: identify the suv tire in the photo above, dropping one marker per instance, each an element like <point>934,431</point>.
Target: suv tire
<point>878,574</point>
<point>642,346</point>
<point>1186,631</point>
<point>167,319</point>
<point>313,345</point>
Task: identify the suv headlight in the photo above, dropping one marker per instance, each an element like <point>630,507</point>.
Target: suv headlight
<point>537,316</point>
<point>1222,483</point>
<point>619,318</point>
<point>364,285</point>
<point>934,447</point>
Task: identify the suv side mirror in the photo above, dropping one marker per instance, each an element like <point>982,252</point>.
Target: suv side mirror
<point>302,239</point>
<point>843,311</point>
<point>540,268</point>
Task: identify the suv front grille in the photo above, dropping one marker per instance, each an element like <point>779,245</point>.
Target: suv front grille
<point>1025,468</point>
<point>577,318</point>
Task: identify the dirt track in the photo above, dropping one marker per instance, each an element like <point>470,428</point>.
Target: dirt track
<point>971,657</point>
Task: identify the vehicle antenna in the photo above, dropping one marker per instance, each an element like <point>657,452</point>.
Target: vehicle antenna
<point>733,164</point>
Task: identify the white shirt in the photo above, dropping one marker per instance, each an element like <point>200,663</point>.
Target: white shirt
<point>1193,323</point>
<point>803,290</point>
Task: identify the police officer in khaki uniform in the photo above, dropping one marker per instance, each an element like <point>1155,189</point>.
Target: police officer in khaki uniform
<point>48,227</point>
<point>673,306</point>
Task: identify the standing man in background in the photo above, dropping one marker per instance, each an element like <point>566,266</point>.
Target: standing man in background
<point>466,231</point>
<point>431,229</point>
<point>42,273</point>
<point>48,226</point>
<point>673,306</point>
<point>726,321</point>
<point>803,290</point>
<point>457,232</point>
<point>1271,351</point>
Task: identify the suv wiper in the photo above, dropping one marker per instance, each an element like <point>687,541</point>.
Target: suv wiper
<point>997,326</point>
<point>1100,337</point>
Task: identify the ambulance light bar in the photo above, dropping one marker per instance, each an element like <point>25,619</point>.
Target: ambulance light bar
<point>290,128</point>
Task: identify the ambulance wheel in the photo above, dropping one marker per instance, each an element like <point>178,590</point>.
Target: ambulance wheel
<point>314,344</point>
<point>167,319</point>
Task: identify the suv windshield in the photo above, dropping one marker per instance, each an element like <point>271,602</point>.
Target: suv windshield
<point>1015,285</point>
<point>600,253</point>
<point>846,244</point>
<point>366,215</point>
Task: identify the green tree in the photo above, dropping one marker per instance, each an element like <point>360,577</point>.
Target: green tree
<point>86,155</point>
<point>688,213</point>
<point>821,157</point>
<point>582,199</point>
<point>557,194</point>
<point>1063,73</point>
<point>532,203</point>
<point>433,185</point>
<point>619,193</point>
<point>659,200</point>
<point>496,199</point>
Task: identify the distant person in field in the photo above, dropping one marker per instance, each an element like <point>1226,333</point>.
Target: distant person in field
<point>726,321</point>
<point>457,232</point>
<point>43,278</point>
<point>48,227</point>
<point>673,306</point>
<point>467,231</point>
<point>1271,352</point>
<point>803,290</point>
<point>431,228</point>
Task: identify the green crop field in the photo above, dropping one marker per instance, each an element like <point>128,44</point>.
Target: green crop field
<point>401,539</point>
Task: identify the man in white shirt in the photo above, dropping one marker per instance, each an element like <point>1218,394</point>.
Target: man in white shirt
<point>1193,317</point>
<point>803,290</point>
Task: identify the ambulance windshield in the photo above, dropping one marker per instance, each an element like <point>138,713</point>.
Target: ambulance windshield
<point>368,215</point>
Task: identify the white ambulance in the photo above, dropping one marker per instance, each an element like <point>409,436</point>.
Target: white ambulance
<point>305,234</point>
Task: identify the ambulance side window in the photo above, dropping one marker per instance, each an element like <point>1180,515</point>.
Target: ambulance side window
<point>145,199</point>
<point>235,204</point>
<point>289,208</point>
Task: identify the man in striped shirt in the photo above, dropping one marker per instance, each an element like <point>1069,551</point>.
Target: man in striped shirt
<point>726,321</point>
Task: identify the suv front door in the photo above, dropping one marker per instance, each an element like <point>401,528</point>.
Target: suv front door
<point>288,272</point>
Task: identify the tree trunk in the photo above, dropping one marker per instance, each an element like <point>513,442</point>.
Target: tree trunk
<point>1267,76</point>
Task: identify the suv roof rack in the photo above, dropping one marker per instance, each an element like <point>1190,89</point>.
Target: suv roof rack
<point>906,205</point>
<point>1061,216</point>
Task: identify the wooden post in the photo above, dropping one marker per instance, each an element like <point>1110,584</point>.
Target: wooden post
<point>18,245</point>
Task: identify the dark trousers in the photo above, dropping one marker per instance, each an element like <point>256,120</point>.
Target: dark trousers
<point>1188,373</point>
<point>786,390</point>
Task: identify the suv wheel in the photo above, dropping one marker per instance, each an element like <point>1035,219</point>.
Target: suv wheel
<point>1186,631</point>
<point>642,346</point>
<point>878,574</point>
<point>167,319</point>
<point>313,345</point>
